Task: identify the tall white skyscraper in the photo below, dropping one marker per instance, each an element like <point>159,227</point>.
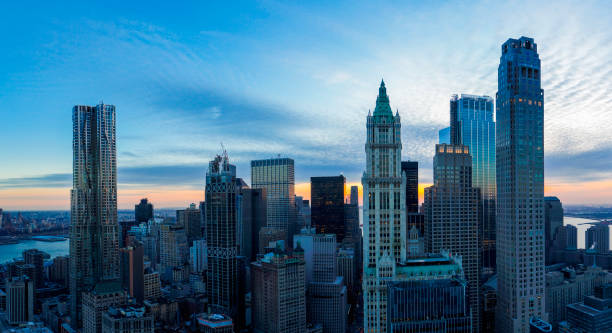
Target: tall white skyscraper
<point>94,236</point>
<point>520,187</point>
<point>384,226</point>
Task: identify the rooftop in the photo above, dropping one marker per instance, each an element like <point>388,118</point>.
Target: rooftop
<point>214,320</point>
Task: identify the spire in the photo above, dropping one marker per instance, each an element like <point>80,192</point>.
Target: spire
<point>382,102</point>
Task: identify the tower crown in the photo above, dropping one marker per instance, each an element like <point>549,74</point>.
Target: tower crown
<point>383,108</point>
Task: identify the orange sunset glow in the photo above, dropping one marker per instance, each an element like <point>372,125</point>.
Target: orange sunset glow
<point>595,192</point>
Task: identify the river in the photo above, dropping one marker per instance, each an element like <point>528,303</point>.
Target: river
<point>54,249</point>
<point>10,251</point>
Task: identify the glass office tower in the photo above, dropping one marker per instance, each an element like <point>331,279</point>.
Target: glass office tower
<point>472,125</point>
<point>520,187</point>
<point>327,205</point>
<point>277,176</point>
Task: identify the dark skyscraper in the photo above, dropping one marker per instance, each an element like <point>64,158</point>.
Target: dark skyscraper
<point>451,209</point>
<point>354,195</point>
<point>598,238</point>
<point>190,219</point>
<point>553,219</point>
<point>94,236</point>
<point>327,205</point>
<point>411,170</point>
<point>472,125</point>
<point>222,283</point>
<point>133,270</point>
<point>520,187</point>
<point>36,258</point>
<point>143,211</point>
<point>253,218</point>
<point>566,237</point>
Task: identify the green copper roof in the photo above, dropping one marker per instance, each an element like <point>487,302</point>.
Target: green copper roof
<point>382,102</point>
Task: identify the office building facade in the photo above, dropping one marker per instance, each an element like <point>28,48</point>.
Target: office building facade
<point>594,315</point>
<point>173,249</point>
<point>354,198</point>
<point>472,125</point>
<point>429,306</point>
<point>553,219</point>
<point>279,293</point>
<point>19,300</point>
<point>520,187</point>
<point>252,218</point>
<point>428,294</point>
<point>452,208</point>
<point>327,205</point>
<point>444,136</point>
<point>191,220</point>
<point>277,177</point>
<point>36,258</point>
<point>97,301</point>
<point>571,285</point>
<point>94,237</point>
<point>597,238</point>
<point>410,170</point>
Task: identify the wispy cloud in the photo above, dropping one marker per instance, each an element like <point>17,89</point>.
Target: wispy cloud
<point>298,80</point>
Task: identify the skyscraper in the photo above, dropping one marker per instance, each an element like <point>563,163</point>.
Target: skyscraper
<point>143,211</point>
<point>553,219</point>
<point>411,170</point>
<point>566,237</point>
<point>252,220</point>
<point>451,209</point>
<point>97,301</point>
<point>36,258</point>
<point>326,292</point>
<point>520,187</point>
<point>190,219</point>
<point>384,211</point>
<point>279,293</point>
<point>173,249</point>
<point>327,205</point>
<point>94,238</point>
<point>444,136</point>
<point>354,195</point>
<point>19,300</point>
<point>597,237</point>
<point>428,294</point>
<point>472,125</point>
<point>277,177</point>
<point>133,276</point>
<point>437,305</point>
<point>222,283</point>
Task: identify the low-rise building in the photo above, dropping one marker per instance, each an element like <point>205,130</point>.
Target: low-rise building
<point>127,319</point>
<point>570,285</point>
<point>214,323</point>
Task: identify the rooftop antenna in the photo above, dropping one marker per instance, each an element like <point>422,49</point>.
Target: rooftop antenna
<point>224,153</point>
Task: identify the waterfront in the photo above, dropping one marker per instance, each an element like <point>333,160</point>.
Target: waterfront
<point>582,225</point>
<point>54,249</point>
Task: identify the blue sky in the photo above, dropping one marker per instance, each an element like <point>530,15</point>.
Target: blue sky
<point>268,78</point>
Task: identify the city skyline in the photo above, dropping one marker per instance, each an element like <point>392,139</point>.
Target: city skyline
<point>199,78</point>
